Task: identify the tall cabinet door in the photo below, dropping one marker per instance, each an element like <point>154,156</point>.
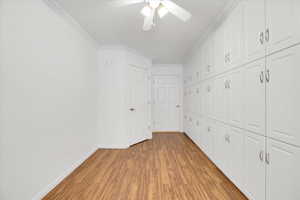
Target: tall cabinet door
<point>254,97</point>
<point>255,177</point>
<point>283,97</point>
<point>254,19</point>
<point>219,51</point>
<point>283,24</point>
<point>221,98</point>
<point>221,146</point>
<point>283,171</point>
<point>235,97</point>
<point>237,35</point>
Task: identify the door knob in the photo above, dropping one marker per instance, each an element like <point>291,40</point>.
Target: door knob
<point>132,109</point>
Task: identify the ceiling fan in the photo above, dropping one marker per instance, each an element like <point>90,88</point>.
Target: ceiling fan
<point>154,8</point>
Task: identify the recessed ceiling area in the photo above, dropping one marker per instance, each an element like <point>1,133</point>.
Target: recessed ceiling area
<point>168,42</point>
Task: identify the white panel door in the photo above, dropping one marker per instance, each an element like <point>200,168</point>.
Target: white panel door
<point>198,101</point>
<point>236,152</point>
<point>138,101</point>
<point>283,24</point>
<point>219,51</point>
<point>255,176</point>
<point>254,97</point>
<point>237,35</point>
<point>167,103</point>
<point>283,96</point>
<point>283,171</point>
<point>254,22</point>
<point>221,98</point>
<point>235,98</point>
<point>221,147</point>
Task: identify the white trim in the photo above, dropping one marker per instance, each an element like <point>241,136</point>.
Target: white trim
<point>58,9</point>
<point>66,173</point>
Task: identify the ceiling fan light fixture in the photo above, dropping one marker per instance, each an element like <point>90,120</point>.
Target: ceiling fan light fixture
<point>162,11</point>
<point>146,11</point>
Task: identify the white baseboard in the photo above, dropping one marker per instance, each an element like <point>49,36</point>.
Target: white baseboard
<point>66,173</point>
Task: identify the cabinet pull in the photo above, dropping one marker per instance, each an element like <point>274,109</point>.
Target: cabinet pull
<point>268,158</point>
<point>229,84</point>
<point>268,75</point>
<point>208,129</point>
<point>261,76</point>
<point>261,156</point>
<point>267,36</point>
<point>261,38</point>
<point>225,84</point>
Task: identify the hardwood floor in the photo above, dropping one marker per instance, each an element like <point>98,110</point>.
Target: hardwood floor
<point>169,167</point>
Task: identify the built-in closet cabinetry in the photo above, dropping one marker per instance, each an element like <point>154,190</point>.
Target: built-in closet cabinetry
<point>243,106</point>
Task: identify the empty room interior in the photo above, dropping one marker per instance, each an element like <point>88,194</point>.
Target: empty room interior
<point>149,100</point>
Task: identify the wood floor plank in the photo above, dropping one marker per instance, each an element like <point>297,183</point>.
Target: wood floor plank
<point>168,167</point>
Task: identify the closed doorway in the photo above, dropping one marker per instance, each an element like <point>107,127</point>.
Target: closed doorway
<point>167,103</point>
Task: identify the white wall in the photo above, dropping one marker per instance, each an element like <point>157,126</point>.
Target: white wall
<point>47,98</point>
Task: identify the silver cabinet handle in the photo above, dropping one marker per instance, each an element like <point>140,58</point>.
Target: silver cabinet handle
<point>267,36</point>
<point>208,88</point>
<point>229,84</point>
<point>197,123</point>
<point>177,106</point>
<point>225,84</point>
<point>268,158</point>
<point>132,109</point>
<point>208,129</point>
<point>261,38</point>
<point>261,76</point>
<point>261,156</point>
<point>268,75</point>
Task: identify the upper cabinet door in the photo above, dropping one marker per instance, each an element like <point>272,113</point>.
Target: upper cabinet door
<point>235,98</point>
<point>254,97</point>
<point>208,57</point>
<point>219,50</point>
<point>282,24</point>
<point>254,19</point>
<point>283,171</point>
<point>237,36</point>
<point>283,97</point>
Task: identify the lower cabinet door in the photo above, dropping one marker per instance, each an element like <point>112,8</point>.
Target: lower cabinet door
<point>221,147</point>
<point>255,167</point>
<point>236,156</point>
<point>283,171</point>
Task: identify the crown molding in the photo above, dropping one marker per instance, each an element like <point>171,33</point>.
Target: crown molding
<point>219,19</point>
<point>59,10</point>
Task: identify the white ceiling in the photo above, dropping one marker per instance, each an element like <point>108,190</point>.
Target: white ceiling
<point>168,42</point>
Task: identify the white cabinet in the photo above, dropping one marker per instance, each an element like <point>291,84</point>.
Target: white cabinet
<point>283,171</point>
<point>235,97</point>
<point>254,96</point>
<point>221,98</point>
<point>255,167</point>
<point>254,20</point>
<point>219,51</point>
<point>282,24</point>
<point>236,155</point>
<point>221,150</point>
<point>198,99</point>
<point>283,96</point>
<point>208,98</point>
<point>208,57</point>
<point>234,38</point>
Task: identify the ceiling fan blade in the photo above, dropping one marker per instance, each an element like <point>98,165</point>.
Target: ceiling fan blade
<point>176,10</point>
<point>149,21</point>
<point>119,3</point>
